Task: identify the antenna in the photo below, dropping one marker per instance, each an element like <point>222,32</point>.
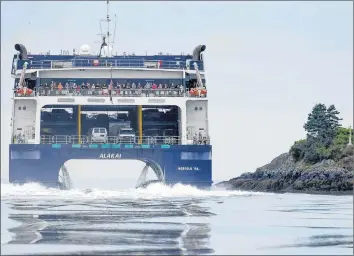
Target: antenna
<point>114,33</point>
<point>106,36</point>
<point>108,22</point>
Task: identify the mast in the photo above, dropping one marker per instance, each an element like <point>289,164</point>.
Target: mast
<point>106,41</point>
<point>108,23</point>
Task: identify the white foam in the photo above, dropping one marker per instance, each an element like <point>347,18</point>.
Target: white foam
<point>35,190</point>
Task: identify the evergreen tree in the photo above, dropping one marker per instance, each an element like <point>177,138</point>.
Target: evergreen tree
<point>332,122</point>
<point>316,122</point>
<point>324,136</point>
<point>322,124</point>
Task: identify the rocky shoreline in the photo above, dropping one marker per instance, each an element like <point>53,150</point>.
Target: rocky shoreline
<point>284,175</point>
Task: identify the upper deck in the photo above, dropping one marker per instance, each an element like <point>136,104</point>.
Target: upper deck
<point>133,76</point>
<point>47,61</point>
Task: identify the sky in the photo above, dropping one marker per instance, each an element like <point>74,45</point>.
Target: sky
<point>267,63</point>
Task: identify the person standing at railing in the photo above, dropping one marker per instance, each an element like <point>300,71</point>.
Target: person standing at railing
<point>128,89</point>
<point>73,89</point>
<point>117,88</point>
<point>46,89</point>
<point>139,88</point>
<point>67,87</point>
<point>93,89</point>
<point>153,89</point>
<point>134,88</point>
<point>147,87</point>
<point>110,88</point>
<point>104,89</point>
<point>60,88</point>
<point>160,91</point>
<point>181,90</point>
<point>52,87</point>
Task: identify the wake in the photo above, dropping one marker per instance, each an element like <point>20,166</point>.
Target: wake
<point>153,191</point>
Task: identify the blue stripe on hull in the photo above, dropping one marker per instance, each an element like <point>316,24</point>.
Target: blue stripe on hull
<point>186,164</point>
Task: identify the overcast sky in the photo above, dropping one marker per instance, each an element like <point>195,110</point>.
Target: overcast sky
<point>267,64</point>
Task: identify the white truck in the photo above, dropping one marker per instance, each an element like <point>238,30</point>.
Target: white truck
<point>126,135</point>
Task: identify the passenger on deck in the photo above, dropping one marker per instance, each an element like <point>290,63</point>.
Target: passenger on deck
<point>139,89</point>
<point>128,92</point>
<point>134,88</point>
<point>181,89</point>
<point>104,89</point>
<point>110,88</point>
<point>78,90</point>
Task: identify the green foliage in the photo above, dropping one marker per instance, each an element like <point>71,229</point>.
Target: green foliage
<point>342,136</point>
<point>326,139</point>
<point>315,124</point>
<point>298,150</point>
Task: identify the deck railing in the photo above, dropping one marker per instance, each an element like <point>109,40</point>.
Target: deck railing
<point>83,139</point>
<point>114,93</point>
<point>74,139</point>
<point>108,63</point>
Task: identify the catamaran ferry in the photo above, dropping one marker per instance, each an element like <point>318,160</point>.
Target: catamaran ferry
<point>152,108</point>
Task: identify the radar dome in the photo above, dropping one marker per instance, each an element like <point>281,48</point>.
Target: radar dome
<point>85,50</point>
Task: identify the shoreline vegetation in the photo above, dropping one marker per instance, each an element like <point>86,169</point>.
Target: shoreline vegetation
<point>320,164</point>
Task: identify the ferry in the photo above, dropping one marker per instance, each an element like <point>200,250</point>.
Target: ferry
<point>105,106</point>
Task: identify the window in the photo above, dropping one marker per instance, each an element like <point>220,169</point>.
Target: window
<point>195,155</point>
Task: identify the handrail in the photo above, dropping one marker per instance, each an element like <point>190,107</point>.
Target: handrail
<point>106,63</point>
<point>41,91</point>
<point>74,139</point>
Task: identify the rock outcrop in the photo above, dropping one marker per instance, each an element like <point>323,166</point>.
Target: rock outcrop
<point>283,174</point>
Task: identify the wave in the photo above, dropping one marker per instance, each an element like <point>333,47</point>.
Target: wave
<point>35,190</point>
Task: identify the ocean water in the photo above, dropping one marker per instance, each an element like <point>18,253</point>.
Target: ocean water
<point>172,220</point>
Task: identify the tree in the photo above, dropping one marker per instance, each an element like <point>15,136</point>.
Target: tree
<point>322,124</point>
<point>316,121</point>
<point>332,121</point>
<point>298,150</point>
<point>325,137</point>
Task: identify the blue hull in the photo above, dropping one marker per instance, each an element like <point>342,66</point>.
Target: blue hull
<point>185,164</point>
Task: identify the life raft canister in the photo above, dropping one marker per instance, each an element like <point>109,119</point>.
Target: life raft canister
<point>26,91</point>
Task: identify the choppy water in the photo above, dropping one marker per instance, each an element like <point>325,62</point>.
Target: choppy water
<point>172,220</point>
